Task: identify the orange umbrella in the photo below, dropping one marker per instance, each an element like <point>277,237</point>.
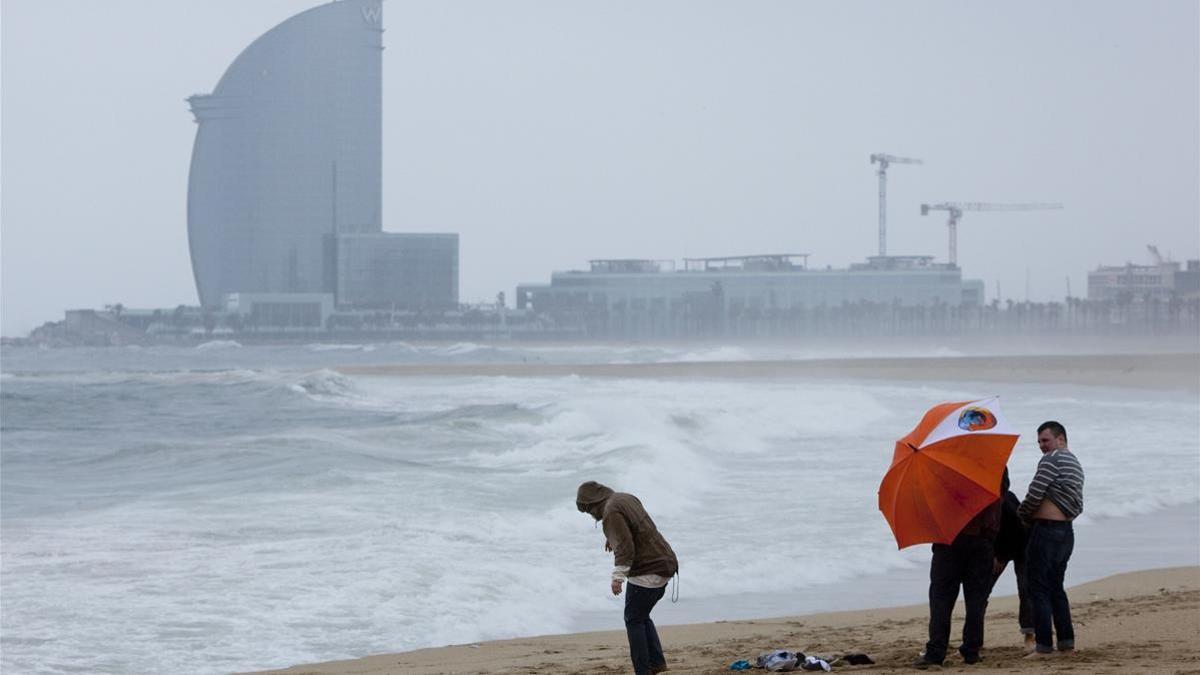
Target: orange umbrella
<point>945,471</point>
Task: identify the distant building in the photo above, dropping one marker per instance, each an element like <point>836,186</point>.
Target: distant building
<point>397,271</point>
<point>96,326</point>
<point>760,282</point>
<point>658,299</point>
<point>285,180</point>
<point>288,150</point>
<point>972,292</point>
<point>1130,282</point>
<point>1187,280</point>
<point>308,311</point>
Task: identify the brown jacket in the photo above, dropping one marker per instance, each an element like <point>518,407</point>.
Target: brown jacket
<point>630,531</point>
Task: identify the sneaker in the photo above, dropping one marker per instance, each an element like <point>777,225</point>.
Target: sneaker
<point>923,663</point>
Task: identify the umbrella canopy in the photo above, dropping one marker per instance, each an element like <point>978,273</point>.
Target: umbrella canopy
<point>945,471</point>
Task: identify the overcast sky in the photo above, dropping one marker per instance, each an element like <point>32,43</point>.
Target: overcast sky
<point>547,133</point>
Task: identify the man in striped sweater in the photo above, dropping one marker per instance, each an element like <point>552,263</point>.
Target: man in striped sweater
<point>1055,498</point>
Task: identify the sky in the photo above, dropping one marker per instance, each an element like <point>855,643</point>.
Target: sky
<point>550,133</point>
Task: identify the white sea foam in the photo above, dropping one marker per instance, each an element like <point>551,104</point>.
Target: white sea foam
<point>324,382</point>
<point>213,345</point>
<point>176,377</point>
<point>462,349</point>
<point>725,353</point>
<point>338,347</point>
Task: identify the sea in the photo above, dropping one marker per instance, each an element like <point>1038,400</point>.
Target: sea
<point>222,507</point>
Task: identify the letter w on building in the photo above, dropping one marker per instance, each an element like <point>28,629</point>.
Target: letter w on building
<point>373,14</point>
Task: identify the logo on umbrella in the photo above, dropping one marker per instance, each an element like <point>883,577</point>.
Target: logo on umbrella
<point>976,419</point>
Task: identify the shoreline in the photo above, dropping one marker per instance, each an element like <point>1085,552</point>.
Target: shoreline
<point>1103,548</point>
<point>1147,618</point>
<point>1174,371</point>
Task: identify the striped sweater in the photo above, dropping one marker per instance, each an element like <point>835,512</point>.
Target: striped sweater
<point>1059,478</point>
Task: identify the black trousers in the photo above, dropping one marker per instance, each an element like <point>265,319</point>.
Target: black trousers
<point>1050,546</point>
<point>1025,614</point>
<point>644,648</point>
<point>966,563</point>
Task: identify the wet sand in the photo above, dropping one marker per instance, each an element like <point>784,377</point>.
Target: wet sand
<point>1143,622</point>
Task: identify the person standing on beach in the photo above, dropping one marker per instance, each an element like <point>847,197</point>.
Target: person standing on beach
<point>1055,498</point>
<point>966,562</point>
<point>641,557</point>
<point>1011,542</point>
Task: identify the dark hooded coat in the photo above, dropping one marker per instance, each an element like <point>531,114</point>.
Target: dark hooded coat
<point>631,533</point>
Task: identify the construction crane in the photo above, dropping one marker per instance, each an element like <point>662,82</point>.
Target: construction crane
<point>884,161</point>
<point>956,209</point>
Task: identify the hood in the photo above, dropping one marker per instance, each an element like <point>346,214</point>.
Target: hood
<point>591,498</point>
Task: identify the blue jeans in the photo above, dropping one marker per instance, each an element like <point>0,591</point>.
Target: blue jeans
<point>1050,546</point>
<point>644,648</point>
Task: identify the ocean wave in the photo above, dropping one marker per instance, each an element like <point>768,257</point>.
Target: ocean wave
<point>214,345</point>
<point>462,349</point>
<point>726,353</point>
<point>340,347</point>
<point>104,377</point>
<point>1100,509</point>
<point>323,383</point>
<point>482,413</point>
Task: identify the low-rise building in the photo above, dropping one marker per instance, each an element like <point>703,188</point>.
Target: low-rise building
<point>1130,282</point>
<point>308,311</point>
<point>652,297</point>
<point>395,270</point>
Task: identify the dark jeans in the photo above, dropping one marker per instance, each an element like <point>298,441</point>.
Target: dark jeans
<point>1050,546</point>
<point>1025,615</point>
<point>644,648</point>
<point>967,563</point>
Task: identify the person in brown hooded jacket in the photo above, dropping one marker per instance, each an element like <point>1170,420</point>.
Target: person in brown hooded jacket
<point>642,557</point>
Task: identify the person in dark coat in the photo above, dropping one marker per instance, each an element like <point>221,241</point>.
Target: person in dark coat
<point>1010,547</point>
<point>642,557</point>
<point>967,562</point>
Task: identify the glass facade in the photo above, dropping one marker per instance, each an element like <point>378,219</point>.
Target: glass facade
<point>288,151</point>
<point>743,299</point>
<point>782,290</point>
<point>397,270</point>
<point>268,311</point>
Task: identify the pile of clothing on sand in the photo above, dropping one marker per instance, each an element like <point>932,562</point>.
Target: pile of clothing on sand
<point>782,660</point>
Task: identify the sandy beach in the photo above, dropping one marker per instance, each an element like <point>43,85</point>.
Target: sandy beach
<point>1150,371</point>
<point>1144,622</point>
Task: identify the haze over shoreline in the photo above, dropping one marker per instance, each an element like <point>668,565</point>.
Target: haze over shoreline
<point>1148,371</point>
